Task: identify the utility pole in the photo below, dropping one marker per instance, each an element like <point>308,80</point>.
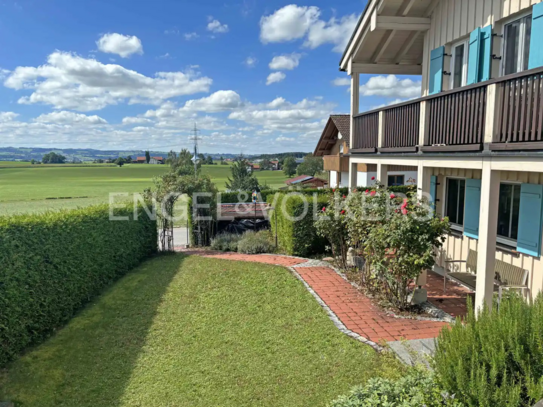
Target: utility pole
<point>195,138</point>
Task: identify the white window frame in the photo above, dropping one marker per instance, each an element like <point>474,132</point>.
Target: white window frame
<point>505,240</point>
<point>522,38</point>
<point>464,66</point>
<point>454,226</point>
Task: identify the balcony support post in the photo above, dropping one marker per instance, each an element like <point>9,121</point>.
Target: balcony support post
<point>381,131</point>
<point>488,230</point>
<point>355,102</point>
<point>353,175</point>
<point>492,96</point>
<point>382,173</point>
<point>424,119</point>
<point>423,191</point>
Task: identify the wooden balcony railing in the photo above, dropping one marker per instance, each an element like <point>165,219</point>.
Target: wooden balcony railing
<point>336,163</point>
<point>519,107</point>
<point>401,126</point>
<point>456,120</point>
<point>504,114</point>
<point>366,129</point>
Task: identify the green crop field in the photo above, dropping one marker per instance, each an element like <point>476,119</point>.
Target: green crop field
<point>25,188</point>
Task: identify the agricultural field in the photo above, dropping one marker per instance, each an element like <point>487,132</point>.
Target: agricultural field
<point>25,188</point>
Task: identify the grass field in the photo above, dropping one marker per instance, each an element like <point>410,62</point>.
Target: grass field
<point>26,189</point>
<point>189,331</point>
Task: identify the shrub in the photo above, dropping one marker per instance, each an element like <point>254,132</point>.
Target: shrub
<point>416,388</point>
<point>332,224</point>
<point>226,242</point>
<point>497,359</point>
<point>256,242</point>
<point>52,264</point>
<point>297,234</point>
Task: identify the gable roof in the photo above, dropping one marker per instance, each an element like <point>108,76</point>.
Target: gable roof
<point>337,123</point>
<point>298,179</point>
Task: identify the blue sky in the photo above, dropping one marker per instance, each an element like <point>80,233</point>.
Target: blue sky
<point>256,75</point>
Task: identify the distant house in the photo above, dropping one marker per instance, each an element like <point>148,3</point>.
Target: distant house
<point>255,167</point>
<point>275,165</point>
<point>156,160</point>
<point>306,181</point>
<point>140,160</point>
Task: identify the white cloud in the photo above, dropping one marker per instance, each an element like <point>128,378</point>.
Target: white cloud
<point>173,31</point>
<point>251,62</point>
<point>135,120</point>
<point>8,116</point>
<point>391,86</point>
<point>294,22</point>
<point>393,102</point>
<point>337,32</point>
<point>215,26</point>
<point>220,101</point>
<point>276,103</point>
<point>165,56</point>
<point>70,118</point>
<point>279,139</point>
<point>285,62</point>
<point>190,36</point>
<point>123,45</point>
<point>288,23</point>
<point>68,81</point>
<point>275,77</point>
<point>341,82</point>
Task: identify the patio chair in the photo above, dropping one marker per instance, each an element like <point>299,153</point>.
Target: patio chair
<point>506,276</point>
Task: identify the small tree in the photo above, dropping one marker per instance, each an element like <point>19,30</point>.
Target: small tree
<point>289,166</point>
<point>147,157</point>
<point>128,160</point>
<point>242,179</point>
<point>401,241</point>
<point>53,158</point>
<point>120,161</point>
<point>311,166</point>
<point>182,164</point>
<point>265,164</point>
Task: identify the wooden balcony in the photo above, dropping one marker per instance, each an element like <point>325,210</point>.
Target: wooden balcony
<point>336,163</point>
<point>504,114</point>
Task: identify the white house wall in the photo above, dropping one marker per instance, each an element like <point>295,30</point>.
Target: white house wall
<point>344,180</point>
<point>453,20</point>
<point>333,179</point>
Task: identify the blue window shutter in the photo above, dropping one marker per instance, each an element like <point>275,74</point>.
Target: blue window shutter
<point>474,56</point>
<point>472,208</point>
<point>530,227</point>
<point>536,50</point>
<point>433,190</point>
<point>485,57</point>
<point>435,84</point>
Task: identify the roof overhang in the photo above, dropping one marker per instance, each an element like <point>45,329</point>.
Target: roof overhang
<point>328,139</point>
<point>389,38</point>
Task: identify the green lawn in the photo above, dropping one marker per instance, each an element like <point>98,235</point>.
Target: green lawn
<point>189,331</point>
<point>26,189</point>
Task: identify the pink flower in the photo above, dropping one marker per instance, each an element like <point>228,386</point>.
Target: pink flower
<point>392,196</point>
<point>372,193</point>
<point>324,209</point>
<point>367,191</point>
<point>355,190</point>
<point>404,211</point>
<point>342,212</point>
<point>333,190</point>
<point>373,178</point>
<point>343,196</point>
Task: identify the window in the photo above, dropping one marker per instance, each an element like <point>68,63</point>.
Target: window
<point>456,194</point>
<point>517,35</point>
<point>395,180</point>
<point>459,65</point>
<point>508,212</point>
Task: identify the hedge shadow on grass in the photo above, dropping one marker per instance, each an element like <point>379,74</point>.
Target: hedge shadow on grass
<point>74,368</point>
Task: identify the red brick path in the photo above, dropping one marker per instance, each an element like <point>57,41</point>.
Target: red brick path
<point>453,301</point>
<point>354,309</point>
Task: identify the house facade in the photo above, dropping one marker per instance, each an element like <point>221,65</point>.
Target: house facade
<point>333,147</point>
<point>475,137</point>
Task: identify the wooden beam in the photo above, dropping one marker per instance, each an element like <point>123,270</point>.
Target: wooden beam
<point>386,69</point>
<point>383,45</point>
<point>407,46</point>
<point>399,23</point>
<point>406,7</point>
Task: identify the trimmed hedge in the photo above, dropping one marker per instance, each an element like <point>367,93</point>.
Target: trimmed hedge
<point>52,264</point>
<point>297,237</point>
